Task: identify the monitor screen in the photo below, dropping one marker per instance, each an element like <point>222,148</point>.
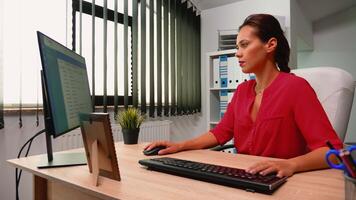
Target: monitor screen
<point>66,83</point>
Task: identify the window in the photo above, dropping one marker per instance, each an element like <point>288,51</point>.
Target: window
<point>177,86</point>
<point>21,59</point>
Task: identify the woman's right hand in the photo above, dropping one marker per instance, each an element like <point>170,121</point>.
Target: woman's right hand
<point>170,147</point>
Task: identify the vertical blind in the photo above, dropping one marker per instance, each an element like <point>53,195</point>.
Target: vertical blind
<point>165,55</point>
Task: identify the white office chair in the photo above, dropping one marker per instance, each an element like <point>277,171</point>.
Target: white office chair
<point>335,90</point>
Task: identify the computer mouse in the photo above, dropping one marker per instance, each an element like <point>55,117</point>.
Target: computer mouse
<point>153,151</point>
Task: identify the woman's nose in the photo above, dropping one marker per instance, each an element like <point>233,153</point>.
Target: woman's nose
<point>238,54</point>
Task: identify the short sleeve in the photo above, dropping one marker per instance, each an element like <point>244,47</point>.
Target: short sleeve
<point>224,130</point>
<point>312,120</point>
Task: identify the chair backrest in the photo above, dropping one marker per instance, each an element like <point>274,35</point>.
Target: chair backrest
<point>335,90</point>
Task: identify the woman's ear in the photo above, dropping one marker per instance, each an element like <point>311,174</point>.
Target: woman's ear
<point>271,45</point>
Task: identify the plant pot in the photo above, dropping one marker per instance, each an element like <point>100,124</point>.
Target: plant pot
<point>130,135</point>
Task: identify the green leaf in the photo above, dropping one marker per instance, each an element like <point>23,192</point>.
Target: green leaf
<point>130,118</point>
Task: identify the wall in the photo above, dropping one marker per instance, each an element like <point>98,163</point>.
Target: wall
<point>11,140</point>
<point>302,26</point>
<point>232,15</point>
<point>335,45</point>
<point>293,37</point>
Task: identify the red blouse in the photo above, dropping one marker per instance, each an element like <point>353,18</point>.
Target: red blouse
<point>290,121</point>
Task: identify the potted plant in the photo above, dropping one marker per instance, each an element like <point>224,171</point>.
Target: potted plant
<point>130,121</point>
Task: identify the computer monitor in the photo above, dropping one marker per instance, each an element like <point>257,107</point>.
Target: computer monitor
<point>66,94</point>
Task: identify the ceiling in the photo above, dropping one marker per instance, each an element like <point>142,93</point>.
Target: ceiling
<point>313,9</point>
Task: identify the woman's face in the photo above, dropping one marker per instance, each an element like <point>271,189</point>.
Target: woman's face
<point>251,51</point>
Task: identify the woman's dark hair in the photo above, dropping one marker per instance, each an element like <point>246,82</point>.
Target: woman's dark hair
<point>266,27</point>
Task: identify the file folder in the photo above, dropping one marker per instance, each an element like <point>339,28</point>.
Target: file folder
<point>216,76</point>
<point>223,102</point>
<point>244,77</point>
<point>233,72</point>
<point>229,96</point>
<point>223,71</point>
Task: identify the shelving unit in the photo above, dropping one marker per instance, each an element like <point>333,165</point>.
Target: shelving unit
<point>213,109</point>
<point>214,89</point>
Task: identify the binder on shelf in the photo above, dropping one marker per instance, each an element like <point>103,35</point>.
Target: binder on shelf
<point>224,98</point>
<point>216,76</point>
<point>246,76</point>
<point>243,77</point>
<point>233,72</point>
<point>223,71</point>
<point>229,96</point>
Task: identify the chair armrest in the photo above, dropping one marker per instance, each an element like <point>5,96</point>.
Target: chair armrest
<point>350,143</point>
<point>223,147</point>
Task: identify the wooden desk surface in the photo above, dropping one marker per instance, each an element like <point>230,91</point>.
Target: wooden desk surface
<point>139,183</point>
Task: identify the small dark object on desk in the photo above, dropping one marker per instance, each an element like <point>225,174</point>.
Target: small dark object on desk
<point>154,151</point>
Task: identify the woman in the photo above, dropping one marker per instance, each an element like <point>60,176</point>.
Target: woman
<point>276,115</point>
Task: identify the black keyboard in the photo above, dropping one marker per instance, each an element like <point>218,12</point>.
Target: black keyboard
<point>227,176</point>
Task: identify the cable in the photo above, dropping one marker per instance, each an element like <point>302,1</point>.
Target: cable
<point>18,174</point>
<point>18,177</point>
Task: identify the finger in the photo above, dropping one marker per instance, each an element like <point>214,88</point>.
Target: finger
<point>259,167</point>
<point>153,144</point>
<point>166,151</point>
<point>147,146</point>
<point>252,167</point>
<point>158,143</point>
<point>268,170</point>
<point>280,174</point>
<point>162,152</point>
<point>258,164</point>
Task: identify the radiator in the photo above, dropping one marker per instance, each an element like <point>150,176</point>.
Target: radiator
<point>149,131</point>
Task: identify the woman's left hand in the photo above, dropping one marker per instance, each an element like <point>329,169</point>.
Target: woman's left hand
<point>281,167</point>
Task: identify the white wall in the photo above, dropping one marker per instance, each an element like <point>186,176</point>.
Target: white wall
<point>11,139</point>
<point>335,45</point>
<point>231,16</point>
<point>293,37</point>
<point>303,27</point>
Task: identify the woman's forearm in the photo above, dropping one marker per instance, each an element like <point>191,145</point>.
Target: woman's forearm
<point>201,142</point>
<point>311,161</point>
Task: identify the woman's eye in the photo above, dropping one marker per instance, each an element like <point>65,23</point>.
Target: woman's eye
<point>244,45</point>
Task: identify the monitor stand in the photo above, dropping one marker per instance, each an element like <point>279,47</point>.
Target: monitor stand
<point>60,159</point>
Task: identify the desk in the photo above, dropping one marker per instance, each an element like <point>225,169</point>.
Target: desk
<point>139,183</point>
